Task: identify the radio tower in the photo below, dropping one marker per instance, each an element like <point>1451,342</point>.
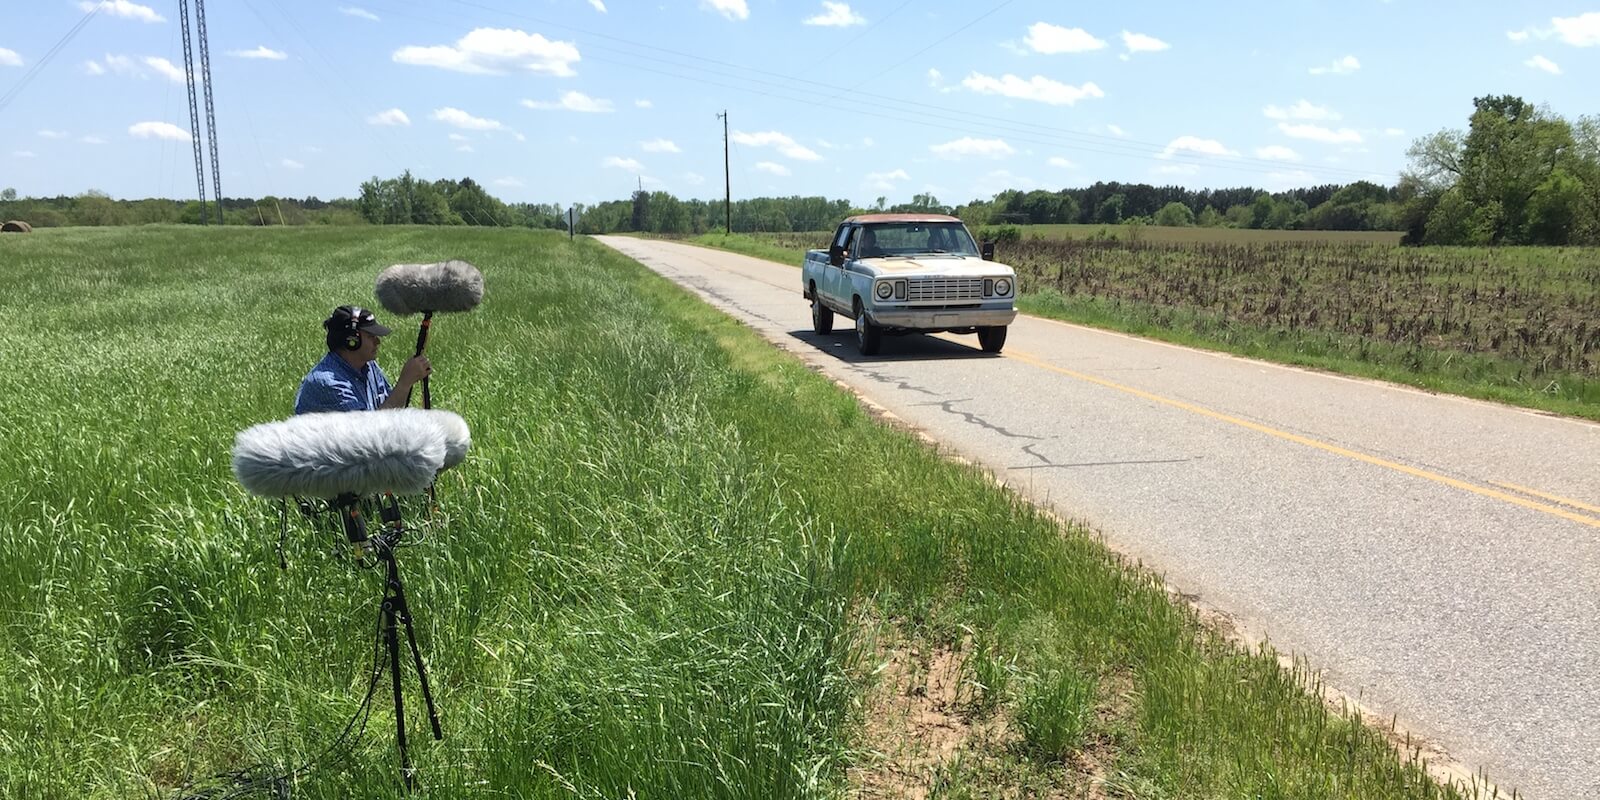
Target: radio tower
<point>194,112</point>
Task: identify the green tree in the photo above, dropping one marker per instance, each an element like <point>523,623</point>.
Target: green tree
<point>1110,210</point>
<point>1209,217</point>
<point>8,194</point>
<point>1176,215</point>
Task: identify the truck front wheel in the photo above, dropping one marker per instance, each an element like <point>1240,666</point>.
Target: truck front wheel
<point>992,338</point>
<point>821,316</point>
<point>869,337</point>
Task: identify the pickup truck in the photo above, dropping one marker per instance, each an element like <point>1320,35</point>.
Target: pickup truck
<point>909,273</point>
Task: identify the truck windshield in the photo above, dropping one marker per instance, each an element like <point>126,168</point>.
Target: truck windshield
<point>916,238</point>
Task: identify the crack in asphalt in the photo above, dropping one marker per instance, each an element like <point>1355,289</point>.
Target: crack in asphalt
<point>1107,463</point>
<point>899,383</point>
<point>948,407</point>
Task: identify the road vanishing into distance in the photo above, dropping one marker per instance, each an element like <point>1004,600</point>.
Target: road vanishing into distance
<point>1435,558</point>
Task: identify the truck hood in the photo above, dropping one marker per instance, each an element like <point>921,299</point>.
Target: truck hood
<point>950,266</point>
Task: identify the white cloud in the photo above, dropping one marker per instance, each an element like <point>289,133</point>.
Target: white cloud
<point>1277,152</point>
<point>732,9</point>
<point>1050,39</point>
<point>519,137</point>
<point>1115,130</point>
<point>771,167</point>
<point>509,183</point>
<point>167,69</point>
<point>968,146</point>
<point>125,9</point>
<point>24,154</point>
<point>884,181</point>
<point>1195,144</point>
<point>1394,132</point>
<point>457,137</point>
<point>1580,31</point>
<point>261,52</point>
<point>290,163</point>
<point>1301,110</point>
<point>1343,66</point>
<point>782,142</point>
<point>935,78</point>
<point>1517,36</point>
<point>158,130</point>
<point>999,180</point>
<point>694,179</point>
<point>9,58</point>
<point>496,51</point>
<point>1542,63</point>
<point>1140,43</point>
<point>621,163</point>
<point>466,148</point>
<point>866,141</point>
<point>836,15</point>
<point>573,101</point>
<point>461,119</point>
<point>1293,178</point>
<point>660,146</point>
<point>643,104</point>
<point>599,5</point>
<point>1038,89</point>
<point>1176,169</point>
<point>92,140</point>
<point>1317,133</point>
<point>393,116</point>
<point>359,13</point>
<point>52,135</point>
<point>1058,161</point>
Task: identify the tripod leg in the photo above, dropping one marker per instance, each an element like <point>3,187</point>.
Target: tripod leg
<point>391,636</point>
<point>422,672</point>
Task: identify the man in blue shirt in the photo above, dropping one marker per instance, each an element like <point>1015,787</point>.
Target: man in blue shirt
<point>348,377</point>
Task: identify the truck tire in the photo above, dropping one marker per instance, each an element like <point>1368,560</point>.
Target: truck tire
<point>869,337</point>
<point>821,316</point>
<point>992,338</point>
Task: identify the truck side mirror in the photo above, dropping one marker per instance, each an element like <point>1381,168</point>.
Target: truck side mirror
<point>836,255</point>
<point>988,251</point>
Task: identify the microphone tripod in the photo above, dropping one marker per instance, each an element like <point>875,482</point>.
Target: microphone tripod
<point>395,611</point>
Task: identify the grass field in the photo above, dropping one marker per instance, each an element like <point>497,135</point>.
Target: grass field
<point>1193,235</point>
<point>676,563</point>
<point>1514,325</point>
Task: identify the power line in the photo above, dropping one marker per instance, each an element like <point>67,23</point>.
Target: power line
<point>895,65</point>
<point>968,123</point>
<point>33,72</point>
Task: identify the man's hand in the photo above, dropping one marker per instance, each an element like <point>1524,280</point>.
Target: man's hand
<point>415,370</point>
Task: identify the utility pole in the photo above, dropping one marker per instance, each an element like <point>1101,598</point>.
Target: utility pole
<point>194,112</point>
<point>727,182</point>
<point>211,113</point>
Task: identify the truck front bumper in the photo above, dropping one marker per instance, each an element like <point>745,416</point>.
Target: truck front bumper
<point>942,319</point>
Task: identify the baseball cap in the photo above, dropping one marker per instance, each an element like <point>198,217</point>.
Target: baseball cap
<point>364,321</point>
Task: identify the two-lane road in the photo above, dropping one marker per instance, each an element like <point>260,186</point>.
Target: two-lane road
<point>1438,558</point>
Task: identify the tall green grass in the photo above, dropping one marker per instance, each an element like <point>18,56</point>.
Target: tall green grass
<point>651,578</point>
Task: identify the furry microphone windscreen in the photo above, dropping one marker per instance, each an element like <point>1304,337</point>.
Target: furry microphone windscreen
<point>457,438</point>
<point>451,286</point>
<point>352,452</point>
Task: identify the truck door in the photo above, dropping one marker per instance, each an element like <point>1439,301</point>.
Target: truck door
<point>833,279</point>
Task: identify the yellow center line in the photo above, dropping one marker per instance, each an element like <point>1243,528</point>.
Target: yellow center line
<point>1554,498</point>
<point>1325,446</point>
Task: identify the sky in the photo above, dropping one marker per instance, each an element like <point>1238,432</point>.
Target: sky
<point>581,101</point>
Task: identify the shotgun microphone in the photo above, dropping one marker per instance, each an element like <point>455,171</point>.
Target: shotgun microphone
<point>429,289</point>
<point>446,287</point>
<point>359,453</point>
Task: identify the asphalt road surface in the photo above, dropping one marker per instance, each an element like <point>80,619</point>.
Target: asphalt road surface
<point>1434,557</point>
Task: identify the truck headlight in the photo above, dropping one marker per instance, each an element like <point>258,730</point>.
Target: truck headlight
<point>1002,287</point>
<point>885,290</point>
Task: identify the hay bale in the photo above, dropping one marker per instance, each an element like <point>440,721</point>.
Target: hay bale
<point>16,226</point>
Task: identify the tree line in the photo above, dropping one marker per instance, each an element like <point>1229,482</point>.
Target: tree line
<point>1517,175</point>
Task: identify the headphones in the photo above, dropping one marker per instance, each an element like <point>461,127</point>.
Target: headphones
<point>350,330</point>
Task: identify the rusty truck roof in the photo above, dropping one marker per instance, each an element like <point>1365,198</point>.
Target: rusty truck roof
<point>868,219</point>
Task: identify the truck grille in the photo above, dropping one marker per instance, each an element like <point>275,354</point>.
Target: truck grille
<point>944,290</point>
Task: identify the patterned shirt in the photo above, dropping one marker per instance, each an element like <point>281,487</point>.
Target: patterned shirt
<point>334,385</point>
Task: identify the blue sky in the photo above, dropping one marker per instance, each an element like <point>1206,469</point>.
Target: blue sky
<point>563,101</point>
